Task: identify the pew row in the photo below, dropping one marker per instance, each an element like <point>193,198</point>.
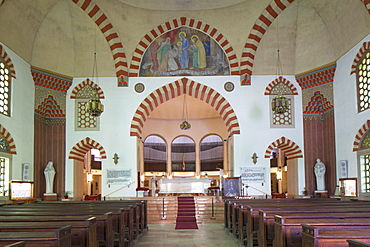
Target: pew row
<point>354,243</point>
<point>55,238</point>
<point>321,236</point>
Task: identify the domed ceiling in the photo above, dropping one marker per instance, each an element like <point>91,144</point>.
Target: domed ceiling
<point>59,35</point>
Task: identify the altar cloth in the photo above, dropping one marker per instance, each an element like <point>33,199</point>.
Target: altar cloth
<point>184,185</point>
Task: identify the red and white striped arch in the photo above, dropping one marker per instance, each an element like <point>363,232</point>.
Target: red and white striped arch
<point>110,34</point>
<point>277,81</point>
<point>191,88</point>
<point>367,5</point>
<point>79,150</point>
<point>290,148</point>
<point>7,60</point>
<point>77,88</point>
<point>257,32</point>
<point>365,46</point>
<point>9,139</point>
<point>183,22</point>
<point>360,133</point>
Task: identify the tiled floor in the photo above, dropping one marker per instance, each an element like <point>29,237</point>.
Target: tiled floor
<point>165,235</point>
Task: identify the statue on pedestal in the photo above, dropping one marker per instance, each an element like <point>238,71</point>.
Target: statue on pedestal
<point>49,173</point>
<point>319,170</point>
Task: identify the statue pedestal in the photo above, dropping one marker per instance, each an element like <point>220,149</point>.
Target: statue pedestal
<point>50,197</point>
<point>320,194</point>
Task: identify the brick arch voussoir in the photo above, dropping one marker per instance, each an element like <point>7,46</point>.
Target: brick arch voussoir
<point>4,132</point>
<point>89,82</point>
<point>110,35</point>
<point>365,46</point>
<point>286,82</point>
<point>360,133</point>
<point>79,150</point>
<point>191,88</point>
<point>186,22</point>
<point>290,148</point>
<point>8,61</point>
<point>258,30</point>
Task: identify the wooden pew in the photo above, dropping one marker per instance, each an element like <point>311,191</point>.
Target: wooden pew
<point>315,236</point>
<point>128,220</point>
<point>104,223</point>
<point>17,244</point>
<point>248,214</point>
<point>56,238</point>
<point>354,243</point>
<point>266,218</point>
<point>83,232</point>
<point>288,229</point>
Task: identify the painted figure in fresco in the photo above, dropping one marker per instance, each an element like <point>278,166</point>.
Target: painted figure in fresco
<point>184,56</point>
<point>162,55</point>
<point>49,173</point>
<point>199,60</point>
<point>319,170</point>
<point>172,54</point>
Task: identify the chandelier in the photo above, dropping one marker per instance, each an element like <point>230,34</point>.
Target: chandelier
<point>280,103</point>
<point>94,107</point>
<point>185,125</point>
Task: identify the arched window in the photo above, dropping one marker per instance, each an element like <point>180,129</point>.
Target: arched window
<point>363,82</point>
<point>211,153</point>
<point>364,152</point>
<point>5,82</point>
<point>183,154</point>
<point>155,154</point>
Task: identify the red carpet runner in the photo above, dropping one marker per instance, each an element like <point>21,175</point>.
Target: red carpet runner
<point>186,213</point>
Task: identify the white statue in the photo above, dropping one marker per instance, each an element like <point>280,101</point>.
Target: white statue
<point>49,173</point>
<point>320,169</point>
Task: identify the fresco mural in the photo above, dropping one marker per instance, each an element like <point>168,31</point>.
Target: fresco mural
<point>184,51</point>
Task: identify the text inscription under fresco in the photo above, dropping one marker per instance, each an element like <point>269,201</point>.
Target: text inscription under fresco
<point>184,52</point>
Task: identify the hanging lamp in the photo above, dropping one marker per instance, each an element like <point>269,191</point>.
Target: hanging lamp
<point>280,103</point>
<point>94,107</point>
<point>185,125</point>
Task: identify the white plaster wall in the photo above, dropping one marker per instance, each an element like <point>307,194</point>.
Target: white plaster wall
<point>20,124</point>
<point>347,119</point>
<point>250,105</point>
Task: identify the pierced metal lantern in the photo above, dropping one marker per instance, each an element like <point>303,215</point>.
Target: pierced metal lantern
<point>280,104</point>
<point>94,107</point>
<point>185,125</point>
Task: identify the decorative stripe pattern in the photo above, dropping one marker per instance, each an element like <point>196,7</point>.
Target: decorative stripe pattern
<point>8,61</point>
<point>183,21</point>
<point>50,80</point>
<point>317,76</point>
<point>191,88</point>
<point>49,108</point>
<point>360,133</point>
<point>89,82</point>
<point>365,46</point>
<point>9,139</point>
<point>281,80</point>
<point>367,5</point>
<point>290,148</point>
<point>258,30</point>
<point>110,34</point>
<point>318,104</point>
<point>79,150</point>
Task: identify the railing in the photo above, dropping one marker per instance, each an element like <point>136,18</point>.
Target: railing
<point>127,185</point>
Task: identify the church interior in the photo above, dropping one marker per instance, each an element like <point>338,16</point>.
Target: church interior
<point>228,102</point>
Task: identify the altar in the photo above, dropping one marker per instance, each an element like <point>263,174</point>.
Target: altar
<point>184,185</point>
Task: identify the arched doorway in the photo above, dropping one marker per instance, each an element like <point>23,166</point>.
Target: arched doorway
<point>160,115</point>
<point>283,154</point>
<point>87,166</point>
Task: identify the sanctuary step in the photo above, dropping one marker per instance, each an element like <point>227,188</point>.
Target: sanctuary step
<point>203,206</point>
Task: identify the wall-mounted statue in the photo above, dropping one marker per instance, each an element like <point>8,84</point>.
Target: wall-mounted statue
<point>49,173</point>
<point>320,170</point>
